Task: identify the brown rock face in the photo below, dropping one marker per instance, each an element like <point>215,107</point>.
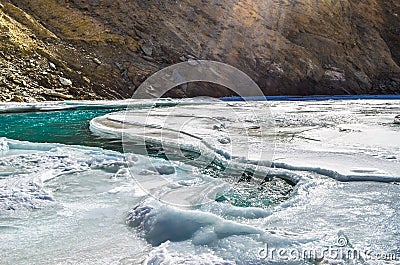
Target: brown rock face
<point>289,47</point>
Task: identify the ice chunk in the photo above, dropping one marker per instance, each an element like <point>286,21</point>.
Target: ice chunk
<point>166,223</point>
<point>165,170</point>
<point>3,145</point>
<point>137,214</point>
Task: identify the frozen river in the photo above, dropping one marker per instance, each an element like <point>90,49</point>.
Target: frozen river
<point>200,182</point>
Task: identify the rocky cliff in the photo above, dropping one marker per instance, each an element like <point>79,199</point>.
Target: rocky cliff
<point>60,49</point>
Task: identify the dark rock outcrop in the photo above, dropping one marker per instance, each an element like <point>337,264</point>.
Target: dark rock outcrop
<point>108,47</point>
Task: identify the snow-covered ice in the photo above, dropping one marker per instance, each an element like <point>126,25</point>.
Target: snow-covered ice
<point>336,138</point>
<point>84,205</point>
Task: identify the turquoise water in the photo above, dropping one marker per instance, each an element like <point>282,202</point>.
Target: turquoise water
<point>71,127</point>
<point>253,195</point>
<point>66,127</point>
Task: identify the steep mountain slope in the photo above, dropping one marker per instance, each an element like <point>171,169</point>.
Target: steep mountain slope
<point>106,48</point>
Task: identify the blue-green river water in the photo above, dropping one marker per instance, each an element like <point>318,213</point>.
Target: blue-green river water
<point>67,127</point>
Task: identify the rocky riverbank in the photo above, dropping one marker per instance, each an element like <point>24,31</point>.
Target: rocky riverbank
<point>103,49</point>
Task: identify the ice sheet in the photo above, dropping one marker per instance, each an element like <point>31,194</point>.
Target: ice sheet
<point>321,146</point>
<point>339,139</point>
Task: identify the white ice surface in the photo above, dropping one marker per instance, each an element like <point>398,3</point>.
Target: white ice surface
<point>339,139</point>
<point>315,143</point>
<point>14,107</point>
